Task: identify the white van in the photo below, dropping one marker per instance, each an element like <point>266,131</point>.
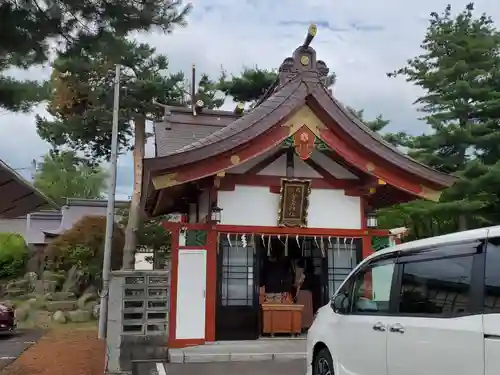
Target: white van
<point>428,307</point>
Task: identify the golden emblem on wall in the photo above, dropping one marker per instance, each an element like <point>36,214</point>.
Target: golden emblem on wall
<point>304,60</point>
<point>303,142</point>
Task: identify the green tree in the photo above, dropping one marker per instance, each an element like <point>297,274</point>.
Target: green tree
<point>208,92</point>
<point>151,235</point>
<point>252,83</point>
<point>64,175</point>
<point>29,27</point>
<point>378,124</point>
<point>458,71</point>
<point>82,101</point>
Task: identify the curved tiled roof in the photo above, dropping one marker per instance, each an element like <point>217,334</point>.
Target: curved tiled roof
<point>298,84</point>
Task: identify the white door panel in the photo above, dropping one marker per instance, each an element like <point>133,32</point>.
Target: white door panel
<point>492,343</point>
<point>191,286</point>
<point>435,346</point>
<point>359,348</point>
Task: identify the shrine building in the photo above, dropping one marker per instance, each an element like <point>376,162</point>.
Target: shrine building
<point>277,204</point>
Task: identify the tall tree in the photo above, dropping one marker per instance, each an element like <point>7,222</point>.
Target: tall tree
<point>82,105</point>
<point>151,236</point>
<point>458,71</point>
<point>30,29</point>
<point>65,175</point>
<point>378,124</point>
<point>252,83</point>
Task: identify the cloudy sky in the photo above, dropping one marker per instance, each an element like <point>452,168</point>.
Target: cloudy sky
<point>360,40</point>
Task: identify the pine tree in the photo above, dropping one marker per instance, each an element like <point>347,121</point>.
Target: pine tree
<point>31,29</point>
<point>252,83</point>
<point>82,104</point>
<point>378,124</point>
<point>458,71</point>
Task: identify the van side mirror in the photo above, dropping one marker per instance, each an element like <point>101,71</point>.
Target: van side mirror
<point>340,303</point>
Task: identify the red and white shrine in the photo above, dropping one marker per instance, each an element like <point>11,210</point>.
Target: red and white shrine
<point>297,175</point>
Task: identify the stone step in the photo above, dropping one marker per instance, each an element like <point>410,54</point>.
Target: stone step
<point>189,357</point>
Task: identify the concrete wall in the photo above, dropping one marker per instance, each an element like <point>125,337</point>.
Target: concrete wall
<point>137,318</point>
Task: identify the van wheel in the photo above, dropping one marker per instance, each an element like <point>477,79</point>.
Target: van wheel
<point>323,363</point>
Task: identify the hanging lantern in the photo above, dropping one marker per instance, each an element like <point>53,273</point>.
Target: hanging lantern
<point>216,214</point>
<point>371,220</point>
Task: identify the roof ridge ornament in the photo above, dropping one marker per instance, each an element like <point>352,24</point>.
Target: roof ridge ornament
<point>303,62</point>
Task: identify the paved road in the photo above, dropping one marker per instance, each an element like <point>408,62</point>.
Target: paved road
<point>280,367</point>
<point>11,347</point>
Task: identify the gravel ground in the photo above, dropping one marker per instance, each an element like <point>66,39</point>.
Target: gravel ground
<point>12,346</point>
<point>62,352</point>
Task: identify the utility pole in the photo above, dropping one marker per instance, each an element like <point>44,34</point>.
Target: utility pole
<point>110,211</point>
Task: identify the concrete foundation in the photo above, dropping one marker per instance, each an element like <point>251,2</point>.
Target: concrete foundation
<point>237,351</point>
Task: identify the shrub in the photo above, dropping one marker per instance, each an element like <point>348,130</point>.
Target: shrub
<point>83,246</point>
<point>14,253</point>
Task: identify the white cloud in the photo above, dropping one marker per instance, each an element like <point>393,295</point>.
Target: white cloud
<point>359,40</point>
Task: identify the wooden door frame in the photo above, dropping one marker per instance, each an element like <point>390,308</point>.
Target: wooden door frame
<point>211,284</point>
<point>256,278</point>
<point>211,248</point>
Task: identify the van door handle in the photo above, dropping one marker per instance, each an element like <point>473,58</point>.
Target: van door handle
<point>379,327</point>
<point>397,328</point>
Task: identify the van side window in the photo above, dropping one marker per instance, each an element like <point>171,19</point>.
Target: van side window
<point>372,288</point>
<point>492,277</point>
<point>437,287</point>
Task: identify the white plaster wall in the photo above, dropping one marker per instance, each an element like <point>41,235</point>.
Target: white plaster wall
<point>256,205</point>
<point>17,225</point>
<point>203,203</point>
<point>330,208</point>
<point>249,205</point>
<point>34,232</point>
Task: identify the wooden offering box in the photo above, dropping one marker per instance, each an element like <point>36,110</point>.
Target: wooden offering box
<point>281,318</point>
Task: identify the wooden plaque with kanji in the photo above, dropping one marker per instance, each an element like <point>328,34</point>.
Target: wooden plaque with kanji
<point>294,202</point>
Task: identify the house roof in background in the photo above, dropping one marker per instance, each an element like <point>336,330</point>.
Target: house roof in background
<point>20,197</point>
<point>181,128</point>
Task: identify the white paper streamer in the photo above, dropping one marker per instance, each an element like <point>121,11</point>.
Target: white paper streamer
<point>316,241</point>
<point>338,248</point>
<point>244,240</point>
<point>351,249</point>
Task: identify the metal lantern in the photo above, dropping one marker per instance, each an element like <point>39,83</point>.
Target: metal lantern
<point>371,220</point>
<point>216,214</point>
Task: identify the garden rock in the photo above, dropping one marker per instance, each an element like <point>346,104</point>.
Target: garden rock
<point>59,317</point>
<point>36,302</point>
<point>96,310</point>
<point>85,298</point>
<point>31,277</point>
<point>60,296</point>
<point>21,313</point>
<point>7,303</point>
<point>80,316</point>
<point>15,292</point>
<point>45,286</point>
<point>18,284</point>
<point>53,306</point>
